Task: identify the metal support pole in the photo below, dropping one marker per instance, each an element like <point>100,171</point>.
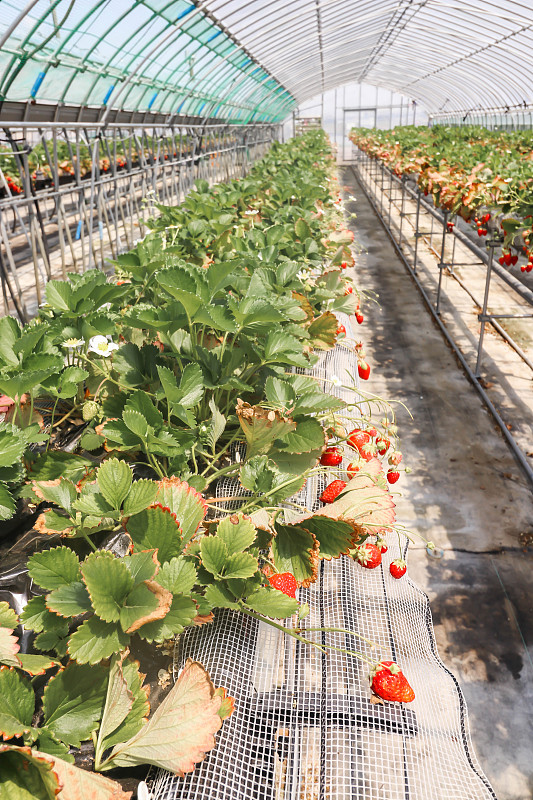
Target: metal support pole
<point>442,265</point>
<point>491,245</point>
<point>417,229</point>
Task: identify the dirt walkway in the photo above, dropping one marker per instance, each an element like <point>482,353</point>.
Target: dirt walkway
<point>467,494</point>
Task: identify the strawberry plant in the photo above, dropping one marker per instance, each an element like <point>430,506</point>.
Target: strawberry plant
<point>182,370</point>
<point>482,175</point>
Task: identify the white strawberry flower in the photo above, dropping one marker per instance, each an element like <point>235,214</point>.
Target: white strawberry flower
<point>335,380</point>
<point>73,344</point>
<point>102,345</point>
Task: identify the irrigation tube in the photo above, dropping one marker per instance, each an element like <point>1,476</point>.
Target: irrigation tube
<point>517,452</point>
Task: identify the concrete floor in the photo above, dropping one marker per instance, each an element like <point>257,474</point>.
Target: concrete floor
<point>467,494</point>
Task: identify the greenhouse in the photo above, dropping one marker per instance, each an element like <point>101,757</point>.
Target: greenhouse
<point>266,400</point>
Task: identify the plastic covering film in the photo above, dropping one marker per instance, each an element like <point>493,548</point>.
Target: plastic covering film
<point>254,60</point>
<point>304,727</point>
<point>154,56</point>
<point>447,55</point>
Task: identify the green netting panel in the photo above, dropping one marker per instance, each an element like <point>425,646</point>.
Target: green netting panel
<point>145,55</point>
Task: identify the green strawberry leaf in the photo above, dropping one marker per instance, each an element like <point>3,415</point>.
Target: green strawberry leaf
<point>69,601</point>
<point>37,617</point>
<point>95,640</point>
<point>114,480</point>
<point>108,581</point>
<point>7,503</point>
<point>237,532</point>
<point>178,576</point>
<point>309,435</point>
<point>272,603</point>
<point>8,617</point>
<point>295,550</point>
<point>214,554</point>
<point>143,565</point>
<point>335,537</point>
<point>219,596</point>
<point>73,702</point>
<point>147,602</point>
<point>156,529</point>
<point>140,496</point>
<point>18,703</point>
<point>125,693</point>
<point>56,567</point>
<point>182,612</point>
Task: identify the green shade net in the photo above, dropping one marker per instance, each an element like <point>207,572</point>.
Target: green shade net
<point>150,56</point>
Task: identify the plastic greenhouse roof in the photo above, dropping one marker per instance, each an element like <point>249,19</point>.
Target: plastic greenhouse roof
<point>255,60</point>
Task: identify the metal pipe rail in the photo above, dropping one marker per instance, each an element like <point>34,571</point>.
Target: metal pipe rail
<point>88,203</point>
<point>383,188</point>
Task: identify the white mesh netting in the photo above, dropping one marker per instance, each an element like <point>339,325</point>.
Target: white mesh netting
<point>304,727</point>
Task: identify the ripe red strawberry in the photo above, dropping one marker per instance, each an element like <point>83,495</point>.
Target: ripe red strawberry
<point>368,555</point>
<point>393,476</point>
<point>341,331</point>
<point>389,683</point>
<point>284,582</point>
<point>344,265</point>
<point>349,290</point>
<point>331,457</point>
<point>502,260</point>
<point>398,568</point>
<point>359,317</point>
<point>352,469</point>
<point>367,451</point>
<point>363,368</point>
<point>357,438</point>
<point>332,491</point>
<point>382,544</point>
<point>382,444</point>
<point>514,259</point>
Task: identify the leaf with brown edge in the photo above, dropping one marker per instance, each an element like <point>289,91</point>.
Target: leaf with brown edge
<point>45,777</point>
<point>335,537</point>
<point>203,619</point>
<point>295,550</point>
<point>323,331</point>
<point>228,703</point>
<point>17,703</point>
<point>52,523</point>
<point>304,304</point>
<point>261,426</point>
<point>147,602</point>
<point>156,528</point>
<point>182,729</point>
<point>185,502</point>
<point>118,703</point>
<point>36,664</point>
<point>9,647</point>
<point>366,501</point>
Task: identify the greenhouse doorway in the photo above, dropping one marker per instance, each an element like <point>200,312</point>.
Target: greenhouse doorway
<point>363,117</point>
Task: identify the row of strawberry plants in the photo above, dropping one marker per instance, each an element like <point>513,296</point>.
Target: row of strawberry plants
<point>484,176</point>
<point>117,156</point>
<point>170,375</point>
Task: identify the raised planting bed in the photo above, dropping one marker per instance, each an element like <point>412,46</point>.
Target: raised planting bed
<point>481,175</point>
<point>217,362</point>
